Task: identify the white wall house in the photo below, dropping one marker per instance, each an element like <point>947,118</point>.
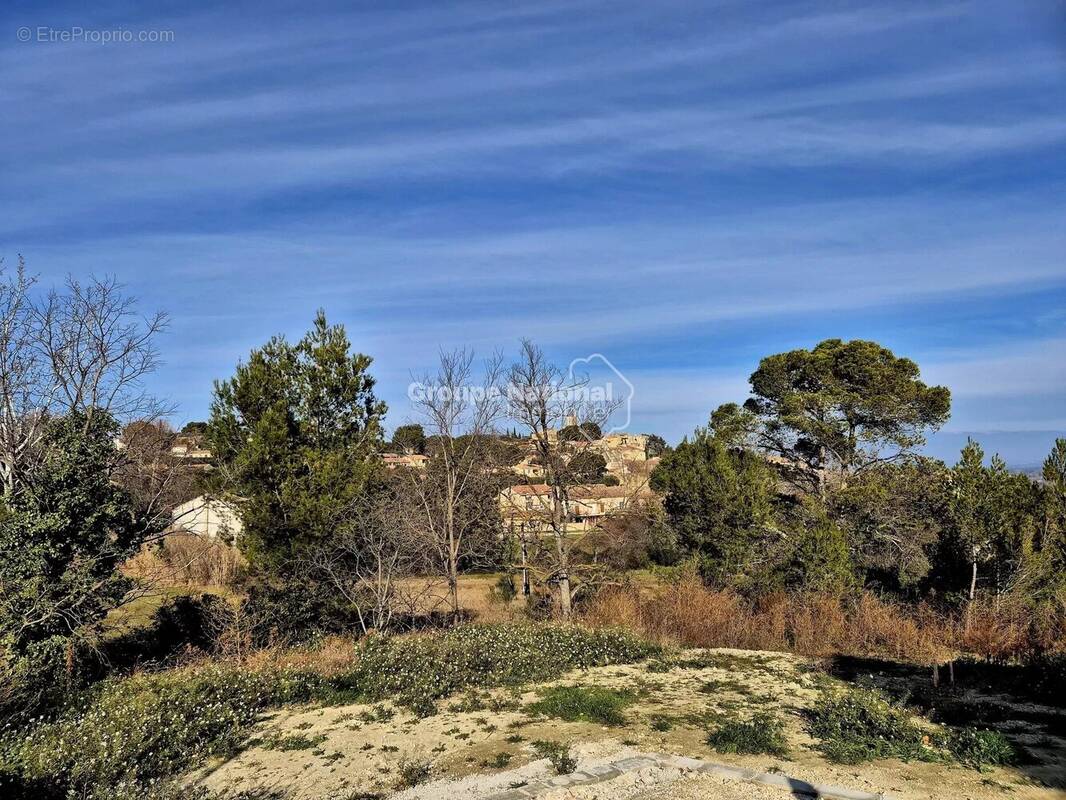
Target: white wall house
<point>208,517</point>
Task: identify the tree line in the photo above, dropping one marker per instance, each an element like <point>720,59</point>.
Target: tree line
<point>815,482</point>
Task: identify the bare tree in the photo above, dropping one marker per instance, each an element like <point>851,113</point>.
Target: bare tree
<point>157,479</point>
<point>84,349</point>
<point>26,387</point>
<point>456,512</point>
<point>542,398</point>
<point>368,559</point>
<point>100,349</point>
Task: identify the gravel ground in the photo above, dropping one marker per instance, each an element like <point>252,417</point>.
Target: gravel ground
<point>645,784</point>
<point>478,753</point>
<point>659,782</point>
<point>704,787</point>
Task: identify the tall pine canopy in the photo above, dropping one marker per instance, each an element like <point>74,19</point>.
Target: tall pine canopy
<point>295,432</point>
<point>837,409</point>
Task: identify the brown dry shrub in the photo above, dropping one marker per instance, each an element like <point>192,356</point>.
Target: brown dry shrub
<point>690,614</point>
<point>330,656</point>
<point>1009,629</point>
<point>619,607</point>
<point>877,627</point>
<point>185,559</point>
<point>817,624</point>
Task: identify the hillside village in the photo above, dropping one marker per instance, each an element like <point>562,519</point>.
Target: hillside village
<point>623,484</point>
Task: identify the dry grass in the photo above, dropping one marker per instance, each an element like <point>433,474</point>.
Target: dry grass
<point>477,597</point>
<point>686,612</point>
<point>1006,629</point>
<point>690,614</point>
<point>184,559</point>
<point>331,656</point>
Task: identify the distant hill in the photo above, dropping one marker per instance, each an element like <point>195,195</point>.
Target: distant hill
<point>1033,471</point>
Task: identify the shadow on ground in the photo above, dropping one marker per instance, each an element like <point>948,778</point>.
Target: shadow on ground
<point>1026,703</point>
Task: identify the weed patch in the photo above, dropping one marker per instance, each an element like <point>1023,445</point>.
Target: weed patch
<point>414,772</point>
<point>661,722</point>
<point>583,703</point>
<point>658,666</point>
<point>720,687</point>
<point>558,755</point>
<point>142,730</point>
<point>498,761</point>
<point>379,713</point>
<point>762,734</point>
<point>981,748</point>
<point>297,741</point>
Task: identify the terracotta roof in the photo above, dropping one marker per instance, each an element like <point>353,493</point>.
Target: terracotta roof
<point>599,492</point>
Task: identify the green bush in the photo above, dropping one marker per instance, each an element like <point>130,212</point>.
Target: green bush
<point>861,724</point>
<point>504,591</point>
<point>584,703</point>
<point>981,748</point>
<point>417,672</point>
<point>282,614</point>
<point>763,733</point>
<point>177,790</point>
<point>151,726</point>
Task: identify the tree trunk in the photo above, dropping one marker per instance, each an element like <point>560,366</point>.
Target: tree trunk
<point>973,595</point>
<point>453,548</point>
<point>453,584</point>
<point>565,610</point>
<point>525,567</point>
<point>562,556</point>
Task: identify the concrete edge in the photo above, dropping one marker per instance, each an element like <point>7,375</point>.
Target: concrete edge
<point>605,772</point>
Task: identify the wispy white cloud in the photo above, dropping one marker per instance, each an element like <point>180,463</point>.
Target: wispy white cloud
<point>1028,368</point>
<point>154,124</point>
<point>592,174</point>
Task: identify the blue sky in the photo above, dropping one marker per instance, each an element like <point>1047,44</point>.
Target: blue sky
<point>683,187</point>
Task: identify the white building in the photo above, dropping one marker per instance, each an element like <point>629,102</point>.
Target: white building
<point>413,461</point>
<point>208,517</point>
<point>588,507</point>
